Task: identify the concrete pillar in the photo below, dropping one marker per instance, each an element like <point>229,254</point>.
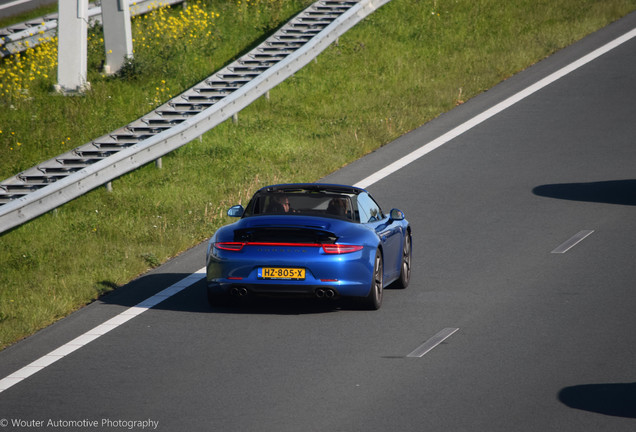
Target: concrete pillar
<point>72,46</point>
<point>117,34</point>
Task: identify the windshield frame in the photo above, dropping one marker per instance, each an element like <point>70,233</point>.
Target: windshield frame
<point>337,203</point>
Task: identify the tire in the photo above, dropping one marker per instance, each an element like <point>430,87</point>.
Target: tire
<point>374,300</point>
<point>405,265</point>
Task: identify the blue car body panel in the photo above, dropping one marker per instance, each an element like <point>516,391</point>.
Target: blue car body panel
<point>238,252</point>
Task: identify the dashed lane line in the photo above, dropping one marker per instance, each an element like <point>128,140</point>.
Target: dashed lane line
<point>572,241</point>
<point>427,346</point>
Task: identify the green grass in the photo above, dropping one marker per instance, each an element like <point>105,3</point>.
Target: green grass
<point>398,69</point>
<point>28,16</point>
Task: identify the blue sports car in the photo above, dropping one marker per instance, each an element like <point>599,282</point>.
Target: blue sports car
<point>318,240</point>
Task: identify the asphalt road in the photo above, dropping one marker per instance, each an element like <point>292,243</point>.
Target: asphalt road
<point>545,340</point>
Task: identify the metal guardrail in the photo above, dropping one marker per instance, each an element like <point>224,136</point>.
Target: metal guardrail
<point>20,37</point>
<point>183,118</point>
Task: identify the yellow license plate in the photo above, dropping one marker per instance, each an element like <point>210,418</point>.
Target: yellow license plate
<point>281,273</point>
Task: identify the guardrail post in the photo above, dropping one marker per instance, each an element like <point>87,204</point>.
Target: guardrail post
<point>117,34</point>
<point>72,47</point>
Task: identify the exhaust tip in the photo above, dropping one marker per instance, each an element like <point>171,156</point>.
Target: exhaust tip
<point>326,293</point>
<point>238,291</point>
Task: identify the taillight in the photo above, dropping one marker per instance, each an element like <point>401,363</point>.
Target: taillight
<point>229,246</point>
<point>335,249</point>
<point>340,249</point>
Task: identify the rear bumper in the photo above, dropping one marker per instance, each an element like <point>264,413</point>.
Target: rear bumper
<point>344,275</point>
<point>326,290</point>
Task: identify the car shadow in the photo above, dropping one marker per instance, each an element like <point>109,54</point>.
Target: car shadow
<point>280,306</point>
<point>621,192</point>
<point>193,298</point>
<point>617,400</point>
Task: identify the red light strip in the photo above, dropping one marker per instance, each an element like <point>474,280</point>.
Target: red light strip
<point>283,244</point>
<point>336,249</point>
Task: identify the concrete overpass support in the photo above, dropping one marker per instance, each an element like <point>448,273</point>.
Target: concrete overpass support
<point>117,34</point>
<point>72,46</point>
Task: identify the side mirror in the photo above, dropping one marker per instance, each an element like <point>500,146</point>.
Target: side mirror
<point>236,211</point>
<point>396,215</point>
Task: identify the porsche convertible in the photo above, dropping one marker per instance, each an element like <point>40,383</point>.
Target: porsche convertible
<point>315,240</point>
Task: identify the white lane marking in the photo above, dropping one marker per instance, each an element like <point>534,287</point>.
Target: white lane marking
<point>13,3</point>
<point>432,342</point>
<point>466,126</point>
<point>573,241</point>
<point>100,330</point>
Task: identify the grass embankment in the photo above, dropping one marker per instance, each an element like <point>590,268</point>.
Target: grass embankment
<point>404,65</point>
